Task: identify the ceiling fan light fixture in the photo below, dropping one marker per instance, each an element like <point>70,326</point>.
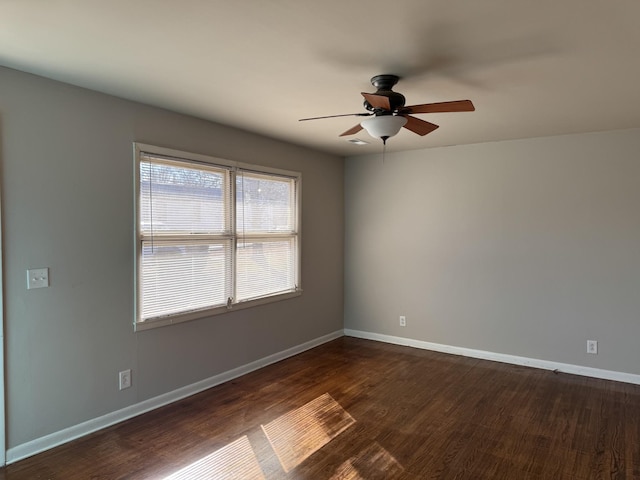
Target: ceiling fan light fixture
<point>383,126</point>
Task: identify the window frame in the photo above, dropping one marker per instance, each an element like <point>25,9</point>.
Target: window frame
<point>234,169</point>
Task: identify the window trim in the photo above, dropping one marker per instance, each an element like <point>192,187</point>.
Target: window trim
<point>234,167</point>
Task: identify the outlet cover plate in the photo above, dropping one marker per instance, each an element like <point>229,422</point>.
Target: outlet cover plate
<point>37,278</point>
<point>592,347</point>
<point>124,379</point>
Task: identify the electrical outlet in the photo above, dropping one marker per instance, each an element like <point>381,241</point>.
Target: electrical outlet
<point>125,379</point>
<point>403,321</point>
<point>592,347</point>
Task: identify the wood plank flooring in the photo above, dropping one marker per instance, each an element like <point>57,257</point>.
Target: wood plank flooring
<point>356,409</point>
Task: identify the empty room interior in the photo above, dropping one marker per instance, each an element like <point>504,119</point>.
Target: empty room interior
<point>320,240</point>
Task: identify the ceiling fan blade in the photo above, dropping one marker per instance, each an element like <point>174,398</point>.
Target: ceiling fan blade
<point>441,107</point>
<point>419,126</point>
<point>377,101</point>
<point>335,116</point>
<point>351,131</point>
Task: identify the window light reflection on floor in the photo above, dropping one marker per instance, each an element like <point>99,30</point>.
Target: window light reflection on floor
<point>235,461</point>
<point>296,435</point>
<point>372,463</point>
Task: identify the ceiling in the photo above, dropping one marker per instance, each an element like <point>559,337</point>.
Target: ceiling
<point>532,68</point>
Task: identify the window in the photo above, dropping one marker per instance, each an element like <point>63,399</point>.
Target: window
<point>212,235</point>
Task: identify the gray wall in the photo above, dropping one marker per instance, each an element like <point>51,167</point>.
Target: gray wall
<point>67,195</point>
<point>525,247</point>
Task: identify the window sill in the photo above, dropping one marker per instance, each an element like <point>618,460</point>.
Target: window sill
<point>210,312</point>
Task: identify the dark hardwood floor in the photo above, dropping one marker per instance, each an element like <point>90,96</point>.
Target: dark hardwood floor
<point>356,409</point>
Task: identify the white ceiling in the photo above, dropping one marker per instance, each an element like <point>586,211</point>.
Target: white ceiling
<point>532,68</point>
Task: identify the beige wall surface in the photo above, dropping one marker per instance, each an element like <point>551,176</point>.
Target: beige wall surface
<point>67,196</point>
<point>527,247</point>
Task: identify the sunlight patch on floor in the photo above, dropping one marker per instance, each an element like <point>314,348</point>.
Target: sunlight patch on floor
<point>296,435</point>
<point>235,461</point>
<point>372,463</point>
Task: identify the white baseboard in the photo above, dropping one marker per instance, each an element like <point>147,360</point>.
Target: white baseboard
<point>500,357</point>
<point>47,442</point>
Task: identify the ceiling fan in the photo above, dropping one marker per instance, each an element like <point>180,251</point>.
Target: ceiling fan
<point>389,114</point>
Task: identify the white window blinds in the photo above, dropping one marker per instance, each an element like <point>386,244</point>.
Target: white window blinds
<point>266,225</point>
<point>212,236</point>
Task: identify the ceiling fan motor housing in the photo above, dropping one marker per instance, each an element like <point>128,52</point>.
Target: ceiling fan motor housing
<point>384,85</point>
